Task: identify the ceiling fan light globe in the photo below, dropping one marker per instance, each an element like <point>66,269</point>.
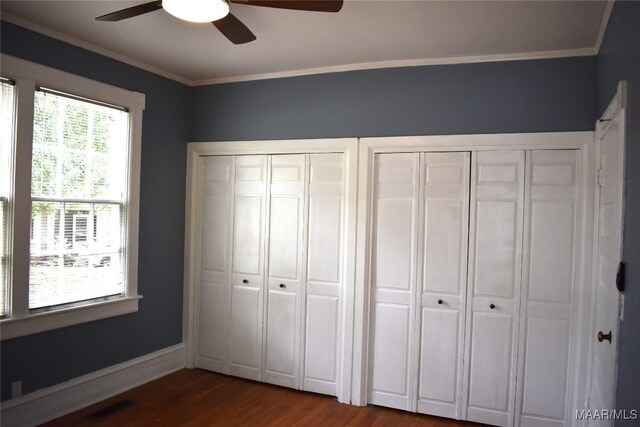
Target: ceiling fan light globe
<point>197,10</point>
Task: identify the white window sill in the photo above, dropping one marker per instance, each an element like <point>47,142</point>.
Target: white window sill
<point>55,319</point>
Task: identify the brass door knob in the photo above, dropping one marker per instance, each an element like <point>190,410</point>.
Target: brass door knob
<point>602,336</point>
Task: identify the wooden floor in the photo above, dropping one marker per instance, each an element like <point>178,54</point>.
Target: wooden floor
<point>201,398</point>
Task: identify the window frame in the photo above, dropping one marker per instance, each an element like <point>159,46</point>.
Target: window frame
<point>19,320</point>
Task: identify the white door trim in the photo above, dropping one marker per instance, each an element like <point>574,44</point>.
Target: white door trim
<point>369,147</point>
<point>196,150</point>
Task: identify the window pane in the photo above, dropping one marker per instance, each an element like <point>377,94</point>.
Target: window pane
<point>79,154</point>
<point>7,119</point>
<point>76,252</point>
<point>79,149</point>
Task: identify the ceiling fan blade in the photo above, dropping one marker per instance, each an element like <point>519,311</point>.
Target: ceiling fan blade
<point>234,30</point>
<point>308,5</point>
<point>130,12</point>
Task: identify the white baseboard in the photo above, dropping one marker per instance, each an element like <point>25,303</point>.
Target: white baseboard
<point>53,402</point>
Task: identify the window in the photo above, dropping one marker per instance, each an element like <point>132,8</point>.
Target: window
<point>76,155</point>
<point>7,104</point>
<point>77,188</point>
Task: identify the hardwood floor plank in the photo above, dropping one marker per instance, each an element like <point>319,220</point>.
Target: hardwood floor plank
<point>198,398</point>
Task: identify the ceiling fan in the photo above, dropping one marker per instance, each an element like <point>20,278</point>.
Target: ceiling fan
<point>217,12</point>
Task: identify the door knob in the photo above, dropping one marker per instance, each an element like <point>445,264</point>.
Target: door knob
<point>492,306</point>
<point>440,301</point>
<point>245,281</point>
<point>282,285</point>
<point>602,336</point>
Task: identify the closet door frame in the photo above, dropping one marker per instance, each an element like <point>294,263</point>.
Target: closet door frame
<point>196,151</point>
<point>369,147</point>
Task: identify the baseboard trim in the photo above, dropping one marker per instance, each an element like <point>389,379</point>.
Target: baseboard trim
<point>53,402</point>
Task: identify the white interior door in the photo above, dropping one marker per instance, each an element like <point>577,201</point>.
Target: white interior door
<point>284,277</point>
<point>548,280</point>
<point>497,189</point>
<point>445,220</point>
<point>393,280</point>
<point>325,273</point>
<point>214,283</point>
<point>247,281</point>
<point>608,255</point>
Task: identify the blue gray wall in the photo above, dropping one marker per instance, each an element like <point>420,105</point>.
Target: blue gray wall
<point>52,357</point>
<point>619,59</point>
<point>499,97</point>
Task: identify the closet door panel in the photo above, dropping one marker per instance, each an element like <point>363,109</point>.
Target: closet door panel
<point>394,238</point>
<point>495,259</point>
<point>438,359</point>
<point>394,280</point>
<point>548,286</point>
<point>324,283</point>
<point>444,224</point>
<point>489,383</point>
<point>545,371</point>
<point>281,339</point>
<point>321,350</point>
<point>391,355</point>
<point>214,277</point>
<point>444,275</point>
<point>245,343</point>
<point>247,250</point>
<point>245,332</point>
<point>494,285</point>
<point>284,244</point>
<point>286,215</point>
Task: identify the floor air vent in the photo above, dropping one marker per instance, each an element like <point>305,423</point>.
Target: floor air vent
<point>111,409</point>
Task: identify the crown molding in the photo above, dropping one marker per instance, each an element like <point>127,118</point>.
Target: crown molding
<point>566,53</point>
<point>470,59</point>
<point>93,48</point>
<point>603,25</point>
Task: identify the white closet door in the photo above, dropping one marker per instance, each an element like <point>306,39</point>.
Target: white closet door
<point>494,285</point>
<point>547,288</point>
<point>392,375</point>
<point>245,332</point>
<point>284,283</point>
<point>325,275</point>
<point>215,220</point>
<point>444,278</point>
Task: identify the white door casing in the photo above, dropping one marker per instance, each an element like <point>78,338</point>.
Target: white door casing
<point>493,296</point>
<point>550,265</point>
<point>610,147</point>
<point>369,150</point>
<point>310,251</point>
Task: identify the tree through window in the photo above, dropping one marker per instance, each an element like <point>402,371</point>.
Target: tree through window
<point>77,186</point>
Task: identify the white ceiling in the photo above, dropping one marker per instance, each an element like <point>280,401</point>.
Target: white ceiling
<point>364,34</point>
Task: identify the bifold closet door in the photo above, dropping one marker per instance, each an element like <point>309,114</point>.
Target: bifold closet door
<point>285,269</point>
<point>549,267</point>
<point>444,219</point>
<point>247,278</point>
<point>495,253</point>
<point>393,281</point>
<point>325,273</point>
<point>215,221</point>
<point>421,212</point>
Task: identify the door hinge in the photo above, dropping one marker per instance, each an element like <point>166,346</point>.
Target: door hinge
<point>599,177</point>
